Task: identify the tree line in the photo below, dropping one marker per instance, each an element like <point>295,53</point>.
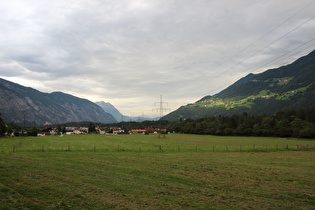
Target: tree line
<point>299,123</point>
<point>16,129</point>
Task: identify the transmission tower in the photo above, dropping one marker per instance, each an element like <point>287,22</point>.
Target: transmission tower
<point>161,108</point>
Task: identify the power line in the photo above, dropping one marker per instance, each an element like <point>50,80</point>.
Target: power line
<point>284,54</point>
<point>260,39</point>
<point>221,87</point>
<point>269,32</point>
<point>272,42</point>
<point>260,50</point>
<point>268,45</point>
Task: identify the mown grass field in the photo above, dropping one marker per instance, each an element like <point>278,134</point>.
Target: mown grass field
<point>130,172</point>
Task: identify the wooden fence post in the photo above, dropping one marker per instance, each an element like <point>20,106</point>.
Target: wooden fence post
<point>161,150</point>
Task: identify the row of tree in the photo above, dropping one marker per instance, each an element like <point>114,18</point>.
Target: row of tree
<point>15,129</point>
<point>298,123</point>
<point>286,123</point>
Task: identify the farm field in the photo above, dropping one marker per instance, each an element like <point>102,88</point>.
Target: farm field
<point>147,172</point>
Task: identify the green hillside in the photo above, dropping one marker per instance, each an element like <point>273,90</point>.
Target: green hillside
<point>290,86</point>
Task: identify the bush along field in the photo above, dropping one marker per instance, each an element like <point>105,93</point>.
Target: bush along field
<point>147,172</point>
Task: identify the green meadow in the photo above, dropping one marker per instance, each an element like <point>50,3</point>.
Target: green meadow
<point>147,172</point>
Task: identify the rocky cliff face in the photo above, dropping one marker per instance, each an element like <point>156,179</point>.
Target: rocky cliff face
<point>21,104</point>
<point>107,107</point>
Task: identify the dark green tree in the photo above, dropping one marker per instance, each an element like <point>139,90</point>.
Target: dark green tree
<point>2,127</point>
<point>283,129</point>
<point>308,131</point>
<point>297,125</point>
<point>63,129</point>
<point>33,131</point>
<point>16,133</point>
<point>91,127</point>
<point>267,126</point>
<point>245,129</point>
<point>59,130</point>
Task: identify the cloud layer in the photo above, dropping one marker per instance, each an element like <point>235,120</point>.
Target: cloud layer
<point>129,52</point>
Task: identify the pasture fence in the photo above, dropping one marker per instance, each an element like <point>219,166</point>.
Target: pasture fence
<point>163,148</point>
<point>302,147</point>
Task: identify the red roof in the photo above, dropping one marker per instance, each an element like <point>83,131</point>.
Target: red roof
<point>137,131</point>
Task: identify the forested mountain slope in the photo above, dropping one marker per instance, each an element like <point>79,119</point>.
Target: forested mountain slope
<point>291,86</point>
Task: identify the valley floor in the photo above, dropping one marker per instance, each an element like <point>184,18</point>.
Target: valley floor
<point>104,179</point>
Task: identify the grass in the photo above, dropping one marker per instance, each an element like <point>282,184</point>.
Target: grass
<point>149,179</point>
<point>150,143</point>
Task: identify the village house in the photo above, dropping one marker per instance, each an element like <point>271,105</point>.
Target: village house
<point>146,130</point>
<point>76,130</point>
<point>137,131</point>
<point>118,131</point>
<point>48,131</point>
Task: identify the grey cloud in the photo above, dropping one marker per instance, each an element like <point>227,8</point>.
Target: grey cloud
<point>131,50</point>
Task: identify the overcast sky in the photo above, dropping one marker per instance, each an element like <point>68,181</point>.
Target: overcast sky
<point>129,52</point>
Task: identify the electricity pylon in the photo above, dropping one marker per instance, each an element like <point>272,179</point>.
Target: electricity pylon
<point>161,108</point>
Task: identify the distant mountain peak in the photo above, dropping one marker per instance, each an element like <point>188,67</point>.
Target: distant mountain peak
<point>109,108</point>
<point>101,102</point>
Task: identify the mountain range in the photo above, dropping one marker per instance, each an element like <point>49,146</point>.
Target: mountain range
<point>25,105</point>
<point>290,86</point>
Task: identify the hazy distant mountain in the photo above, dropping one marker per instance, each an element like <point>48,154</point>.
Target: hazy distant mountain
<point>291,86</point>
<point>109,108</point>
<point>19,104</point>
<point>141,118</point>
